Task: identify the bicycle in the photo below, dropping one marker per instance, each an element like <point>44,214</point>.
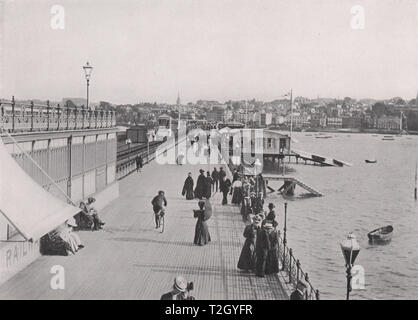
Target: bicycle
<point>160,214</point>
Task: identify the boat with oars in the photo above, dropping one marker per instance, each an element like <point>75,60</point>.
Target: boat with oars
<point>381,235</point>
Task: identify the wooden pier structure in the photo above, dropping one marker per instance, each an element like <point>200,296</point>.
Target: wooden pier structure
<point>290,182</point>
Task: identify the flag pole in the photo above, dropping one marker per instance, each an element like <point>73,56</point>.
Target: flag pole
<point>416,180</point>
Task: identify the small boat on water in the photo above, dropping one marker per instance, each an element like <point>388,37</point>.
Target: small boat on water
<point>390,138</point>
<point>381,235</point>
<point>370,161</point>
<point>323,137</point>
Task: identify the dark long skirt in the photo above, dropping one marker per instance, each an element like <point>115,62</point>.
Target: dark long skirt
<point>272,262</point>
<point>201,235</point>
<point>260,266</point>
<point>237,196</point>
<point>247,259</point>
<point>188,191</point>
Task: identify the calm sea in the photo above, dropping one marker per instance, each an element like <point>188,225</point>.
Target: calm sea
<point>358,199</point>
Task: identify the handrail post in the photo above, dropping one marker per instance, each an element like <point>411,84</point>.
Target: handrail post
<point>47,115</point>
<point>68,114</point>
<point>298,270</point>
<point>82,116</point>
<point>31,115</point>
<point>307,281</point>
<point>75,117</point>
<point>58,116</point>
<point>13,113</point>
<point>317,295</point>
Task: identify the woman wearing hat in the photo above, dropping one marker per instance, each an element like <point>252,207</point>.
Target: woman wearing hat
<point>237,192</point>
<point>98,223</point>
<point>247,259</point>
<point>271,215</point>
<point>201,235</point>
<point>262,247</point>
<point>246,209</point>
<point>272,260</point>
<point>200,185</point>
<point>188,187</point>
<point>225,184</point>
<point>66,233</point>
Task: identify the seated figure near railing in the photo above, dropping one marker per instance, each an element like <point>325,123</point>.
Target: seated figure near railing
<point>88,218</point>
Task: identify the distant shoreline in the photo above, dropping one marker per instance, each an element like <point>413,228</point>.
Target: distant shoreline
<point>348,130</point>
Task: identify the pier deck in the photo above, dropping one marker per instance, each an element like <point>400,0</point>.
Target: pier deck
<point>129,259</point>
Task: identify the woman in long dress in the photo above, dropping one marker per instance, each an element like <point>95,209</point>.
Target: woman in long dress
<point>262,249</point>
<point>201,235</point>
<point>66,233</point>
<point>237,192</point>
<point>199,191</point>
<point>188,187</point>
<point>272,261</point>
<point>247,259</point>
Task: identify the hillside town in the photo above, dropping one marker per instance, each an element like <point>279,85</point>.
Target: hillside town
<point>365,115</point>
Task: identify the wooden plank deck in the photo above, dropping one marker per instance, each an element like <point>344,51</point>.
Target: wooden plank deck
<point>129,259</point>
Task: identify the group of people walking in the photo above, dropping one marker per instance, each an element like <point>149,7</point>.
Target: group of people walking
<point>206,184</point>
<point>260,249</point>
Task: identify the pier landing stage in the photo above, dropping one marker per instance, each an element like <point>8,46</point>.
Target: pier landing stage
<point>129,259</point>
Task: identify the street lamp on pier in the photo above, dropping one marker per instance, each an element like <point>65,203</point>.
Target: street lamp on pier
<point>350,249</point>
<point>285,223</point>
<point>87,72</point>
<point>148,137</point>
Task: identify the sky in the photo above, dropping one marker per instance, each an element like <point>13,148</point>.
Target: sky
<point>151,50</point>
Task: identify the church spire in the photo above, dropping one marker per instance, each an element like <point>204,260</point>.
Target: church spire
<point>178,99</point>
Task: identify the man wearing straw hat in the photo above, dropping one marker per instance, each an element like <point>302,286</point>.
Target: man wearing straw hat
<point>180,290</point>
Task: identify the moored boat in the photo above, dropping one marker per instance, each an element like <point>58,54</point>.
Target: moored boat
<point>388,138</point>
<point>370,161</point>
<point>381,235</point>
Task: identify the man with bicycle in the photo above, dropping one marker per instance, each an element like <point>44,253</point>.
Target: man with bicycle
<point>158,204</point>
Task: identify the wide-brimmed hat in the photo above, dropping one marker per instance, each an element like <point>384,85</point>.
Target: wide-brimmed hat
<point>71,222</point>
<point>201,203</point>
<point>180,284</point>
<point>257,218</point>
<point>91,200</point>
<point>268,224</point>
<point>271,205</point>
<point>202,171</point>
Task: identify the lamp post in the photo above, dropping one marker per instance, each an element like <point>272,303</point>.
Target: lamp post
<point>87,72</point>
<point>148,137</point>
<point>285,223</point>
<point>350,249</point>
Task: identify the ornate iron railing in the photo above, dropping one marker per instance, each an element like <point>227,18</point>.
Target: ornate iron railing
<point>292,267</point>
<point>24,117</point>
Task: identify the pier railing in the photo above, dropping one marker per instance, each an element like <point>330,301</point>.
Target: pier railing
<point>126,157</point>
<point>29,117</point>
<point>291,266</point>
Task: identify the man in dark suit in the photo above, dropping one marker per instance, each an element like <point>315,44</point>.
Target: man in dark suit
<point>215,178</point>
